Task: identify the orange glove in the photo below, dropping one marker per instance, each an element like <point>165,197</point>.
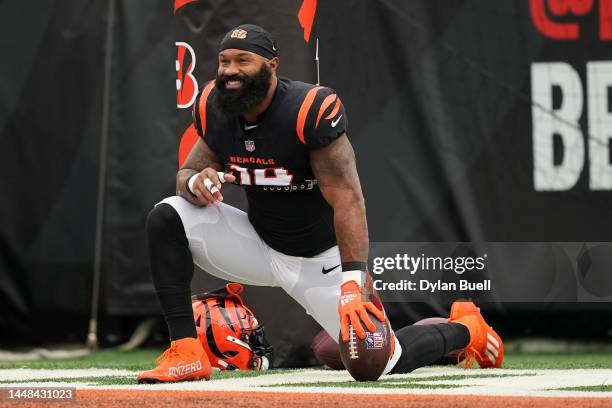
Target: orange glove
<point>351,309</point>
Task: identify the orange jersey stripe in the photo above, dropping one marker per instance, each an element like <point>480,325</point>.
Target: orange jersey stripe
<point>303,113</point>
<point>203,100</point>
<point>335,110</point>
<point>326,102</point>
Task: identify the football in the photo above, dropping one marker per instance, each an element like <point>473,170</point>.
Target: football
<point>452,357</point>
<point>431,320</point>
<point>326,350</point>
<point>366,359</point>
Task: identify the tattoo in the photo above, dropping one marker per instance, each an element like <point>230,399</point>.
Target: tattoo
<point>199,158</point>
<point>334,165</point>
<point>336,172</point>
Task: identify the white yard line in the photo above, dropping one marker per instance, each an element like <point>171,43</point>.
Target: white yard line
<point>33,374</point>
<point>527,383</point>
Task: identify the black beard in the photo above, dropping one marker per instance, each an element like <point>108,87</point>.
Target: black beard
<point>253,91</point>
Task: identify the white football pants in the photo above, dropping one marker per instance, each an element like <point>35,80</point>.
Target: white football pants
<point>223,242</point>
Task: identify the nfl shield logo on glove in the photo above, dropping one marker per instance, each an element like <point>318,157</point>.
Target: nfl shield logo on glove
<point>249,145</point>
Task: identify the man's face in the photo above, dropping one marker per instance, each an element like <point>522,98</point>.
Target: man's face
<point>243,79</point>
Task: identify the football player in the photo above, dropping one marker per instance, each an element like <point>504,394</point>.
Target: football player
<point>286,143</point>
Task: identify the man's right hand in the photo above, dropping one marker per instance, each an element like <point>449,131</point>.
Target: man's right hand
<point>353,310</point>
<point>207,186</point>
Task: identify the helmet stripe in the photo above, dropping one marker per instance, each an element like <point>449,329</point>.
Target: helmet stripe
<point>226,316</point>
<point>210,337</point>
<point>235,308</point>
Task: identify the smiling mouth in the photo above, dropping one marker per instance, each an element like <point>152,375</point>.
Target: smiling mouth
<point>233,84</point>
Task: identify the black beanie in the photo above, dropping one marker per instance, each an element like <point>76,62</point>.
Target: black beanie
<point>249,37</point>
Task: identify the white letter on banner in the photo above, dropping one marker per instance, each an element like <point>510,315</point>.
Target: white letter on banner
<point>599,82</point>
<point>546,175</point>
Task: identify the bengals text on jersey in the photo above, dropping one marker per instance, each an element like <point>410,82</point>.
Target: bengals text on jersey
<point>271,160</point>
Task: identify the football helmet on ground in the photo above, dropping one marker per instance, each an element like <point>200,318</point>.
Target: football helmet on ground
<point>228,330</point>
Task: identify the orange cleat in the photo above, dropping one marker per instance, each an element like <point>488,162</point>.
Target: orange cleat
<point>485,346</point>
<point>185,360</point>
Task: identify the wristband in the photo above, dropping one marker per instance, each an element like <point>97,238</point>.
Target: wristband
<point>191,182</point>
<point>353,270</point>
<point>354,265</point>
<point>352,276</point>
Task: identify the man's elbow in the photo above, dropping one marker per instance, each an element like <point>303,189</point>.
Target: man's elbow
<point>352,202</point>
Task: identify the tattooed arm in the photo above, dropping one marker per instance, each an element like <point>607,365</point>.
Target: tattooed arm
<point>201,160</point>
<point>334,167</point>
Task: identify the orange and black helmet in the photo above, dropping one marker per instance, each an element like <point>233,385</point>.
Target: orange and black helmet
<point>229,331</point>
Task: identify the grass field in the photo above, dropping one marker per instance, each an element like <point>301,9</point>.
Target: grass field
<point>144,359</point>
<point>567,380</point>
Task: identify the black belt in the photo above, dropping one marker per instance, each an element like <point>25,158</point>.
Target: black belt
<point>298,187</point>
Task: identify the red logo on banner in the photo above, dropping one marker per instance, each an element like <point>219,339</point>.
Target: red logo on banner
<point>189,138</point>
<point>186,84</point>
<point>568,9</point>
<point>180,3</point>
<point>605,20</point>
<point>306,16</point>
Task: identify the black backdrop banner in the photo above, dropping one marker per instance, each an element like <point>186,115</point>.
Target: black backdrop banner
<point>443,109</point>
<point>472,121</point>
<point>51,91</point>
<point>141,150</point>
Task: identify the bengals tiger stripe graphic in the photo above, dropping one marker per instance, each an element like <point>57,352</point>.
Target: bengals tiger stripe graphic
<point>303,112</point>
<point>200,108</point>
<point>307,104</point>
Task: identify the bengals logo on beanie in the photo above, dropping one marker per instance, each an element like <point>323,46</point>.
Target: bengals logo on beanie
<point>252,38</point>
<point>238,33</point>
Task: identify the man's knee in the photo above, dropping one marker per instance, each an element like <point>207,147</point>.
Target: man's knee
<point>163,220</point>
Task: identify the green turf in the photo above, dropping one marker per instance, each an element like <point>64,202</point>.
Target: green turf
<point>243,374</point>
<point>113,359</point>
<point>138,360</point>
<point>456,377</point>
<point>94,380</point>
<point>368,384</point>
<point>412,382</point>
<point>144,359</point>
<point>557,360</point>
<point>596,388</point>
<point>130,380</point>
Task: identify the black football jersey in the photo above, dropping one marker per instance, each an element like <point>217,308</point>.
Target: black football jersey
<point>270,159</point>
